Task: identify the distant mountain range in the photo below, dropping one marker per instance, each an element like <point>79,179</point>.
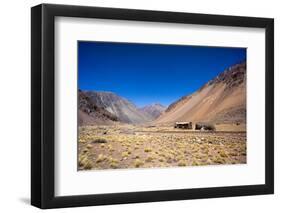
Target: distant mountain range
<point>153,111</point>
<point>107,107</point>
<point>221,100</point>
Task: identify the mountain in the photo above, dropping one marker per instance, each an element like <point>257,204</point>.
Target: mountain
<point>221,100</point>
<point>153,110</point>
<point>90,113</point>
<point>117,108</point>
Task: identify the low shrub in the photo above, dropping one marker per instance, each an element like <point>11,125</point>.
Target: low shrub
<point>99,140</point>
<point>138,163</point>
<point>101,158</point>
<point>88,165</point>
<point>89,146</point>
<point>182,163</point>
<point>147,149</point>
<point>124,154</point>
<point>149,159</point>
<point>113,165</point>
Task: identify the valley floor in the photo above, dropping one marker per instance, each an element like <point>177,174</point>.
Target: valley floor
<point>129,146</point>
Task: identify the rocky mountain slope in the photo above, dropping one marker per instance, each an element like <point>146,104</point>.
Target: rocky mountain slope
<point>113,108</point>
<point>153,111</point>
<point>221,100</point>
<point>90,113</point>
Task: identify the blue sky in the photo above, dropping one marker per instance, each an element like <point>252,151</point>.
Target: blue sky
<point>151,73</point>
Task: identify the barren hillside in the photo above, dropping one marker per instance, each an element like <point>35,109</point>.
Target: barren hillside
<point>153,110</point>
<point>221,100</point>
<point>90,113</point>
<point>107,106</point>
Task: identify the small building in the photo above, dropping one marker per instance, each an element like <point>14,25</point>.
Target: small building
<point>204,126</point>
<point>183,125</point>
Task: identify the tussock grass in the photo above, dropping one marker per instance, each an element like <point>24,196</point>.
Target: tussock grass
<point>82,160</point>
<point>89,146</point>
<point>223,154</point>
<point>88,165</point>
<point>219,160</point>
<point>182,163</point>
<point>118,150</point>
<point>138,163</point>
<point>99,140</point>
<point>149,159</point>
<point>195,163</point>
<point>161,159</point>
<point>110,148</point>
<point>125,154</point>
<point>113,165</point>
<point>101,158</point>
<point>85,151</point>
<point>147,149</point>
<point>85,163</point>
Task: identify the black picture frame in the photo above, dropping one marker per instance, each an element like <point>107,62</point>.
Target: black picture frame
<point>43,110</point>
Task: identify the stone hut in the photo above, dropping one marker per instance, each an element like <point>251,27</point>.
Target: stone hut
<point>183,125</point>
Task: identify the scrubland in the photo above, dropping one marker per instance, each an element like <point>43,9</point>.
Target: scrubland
<point>132,146</point>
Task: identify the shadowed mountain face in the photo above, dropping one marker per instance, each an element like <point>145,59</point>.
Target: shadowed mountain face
<point>153,110</point>
<point>123,110</point>
<point>89,112</point>
<point>221,100</point>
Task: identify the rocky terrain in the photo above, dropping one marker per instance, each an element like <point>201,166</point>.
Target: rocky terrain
<point>91,113</point>
<point>153,110</point>
<point>221,100</point>
<point>107,106</point>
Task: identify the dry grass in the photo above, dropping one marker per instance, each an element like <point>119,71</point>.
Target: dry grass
<point>182,163</point>
<point>128,146</point>
<point>138,163</point>
<point>101,158</point>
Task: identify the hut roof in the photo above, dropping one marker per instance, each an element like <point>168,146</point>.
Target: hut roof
<point>182,122</point>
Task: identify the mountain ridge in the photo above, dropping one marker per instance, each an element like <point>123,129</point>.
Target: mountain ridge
<point>153,110</point>
<point>89,112</point>
<point>124,110</point>
<point>220,100</point>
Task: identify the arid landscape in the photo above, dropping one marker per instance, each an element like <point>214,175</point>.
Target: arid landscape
<point>207,127</point>
<point>128,146</point>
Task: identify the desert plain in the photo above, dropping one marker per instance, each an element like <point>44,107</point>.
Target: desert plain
<point>125,146</point>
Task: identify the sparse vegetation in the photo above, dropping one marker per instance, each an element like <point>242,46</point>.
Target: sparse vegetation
<point>223,154</point>
<point>89,146</point>
<point>88,165</point>
<point>149,159</point>
<point>138,163</point>
<point>113,165</point>
<point>182,163</point>
<point>125,154</point>
<point>101,158</point>
<point>99,140</point>
<point>149,147</point>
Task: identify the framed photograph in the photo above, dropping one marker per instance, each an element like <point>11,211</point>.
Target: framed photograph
<point>139,106</point>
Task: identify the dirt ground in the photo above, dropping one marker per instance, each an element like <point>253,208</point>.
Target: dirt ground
<point>129,146</point>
